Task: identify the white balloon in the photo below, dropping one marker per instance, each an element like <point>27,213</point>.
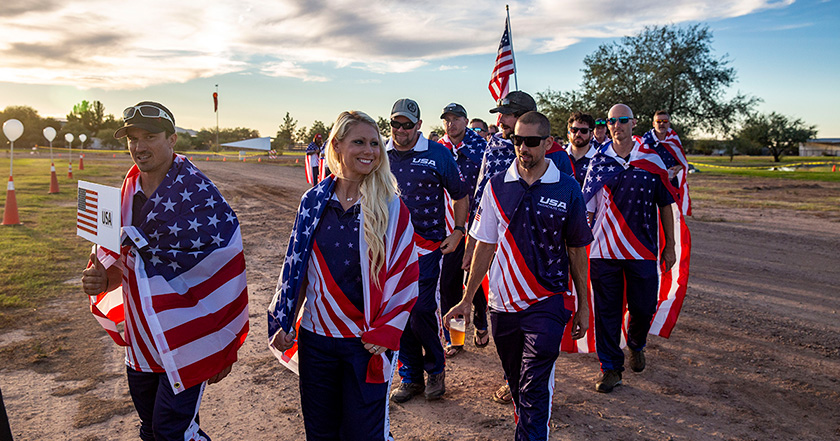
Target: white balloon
<point>13,129</point>
<point>83,137</point>
<point>49,133</point>
<point>68,137</point>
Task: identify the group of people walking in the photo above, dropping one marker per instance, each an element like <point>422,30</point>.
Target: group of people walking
<point>377,260</point>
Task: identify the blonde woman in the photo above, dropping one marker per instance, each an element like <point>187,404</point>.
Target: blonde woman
<point>352,265</point>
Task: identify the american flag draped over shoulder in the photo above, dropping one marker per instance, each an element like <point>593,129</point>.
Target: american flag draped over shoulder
<point>605,167</point>
<point>187,269</point>
<point>672,153</point>
<point>504,67</point>
<point>386,308</point>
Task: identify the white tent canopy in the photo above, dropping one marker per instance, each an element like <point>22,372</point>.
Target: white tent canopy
<point>263,144</point>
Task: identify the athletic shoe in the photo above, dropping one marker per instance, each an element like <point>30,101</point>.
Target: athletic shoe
<point>637,360</point>
<point>435,386</point>
<point>406,391</point>
<point>609,381</point>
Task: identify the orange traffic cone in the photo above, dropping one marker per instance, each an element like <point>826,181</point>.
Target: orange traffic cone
<point>297,160</point>
<point>10,216</point>
<point>81,162</point>
<point>69,170</point>
<point>259,159</point>
<point>53,180</point>
<point>834,168</point>
<point>115,155</point>
<point>224,159</point>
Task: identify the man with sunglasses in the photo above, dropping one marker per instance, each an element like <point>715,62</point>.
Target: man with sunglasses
<point>468,147</point>
<point>580,148</point>
<point>480,127</point>
<point>662,133</point>
<point>627,195</point>
<point>181,270</point>
<point>424,170</point>
<point>531,226</point>
<point>600,133</point>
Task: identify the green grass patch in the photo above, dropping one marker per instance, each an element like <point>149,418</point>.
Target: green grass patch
<point>43,252</point>
<point>809,168</point>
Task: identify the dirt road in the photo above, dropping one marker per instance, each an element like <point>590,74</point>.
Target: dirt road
<point>755,355</point>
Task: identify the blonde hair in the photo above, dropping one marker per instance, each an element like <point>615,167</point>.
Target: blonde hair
<point>377,188</point>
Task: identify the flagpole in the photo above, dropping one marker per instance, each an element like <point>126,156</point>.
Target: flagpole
<point>217,118</point>
<point>512,56</point>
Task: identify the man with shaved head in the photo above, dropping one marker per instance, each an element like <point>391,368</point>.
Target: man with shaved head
<point>626,199</point>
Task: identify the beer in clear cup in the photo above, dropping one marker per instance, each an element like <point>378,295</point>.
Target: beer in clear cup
<point>457,331</point>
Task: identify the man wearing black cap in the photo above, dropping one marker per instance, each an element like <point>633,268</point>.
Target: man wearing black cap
<point>424,170</point>
<point>181,270</point>
<point>468,147</point>
<point>497,158</point>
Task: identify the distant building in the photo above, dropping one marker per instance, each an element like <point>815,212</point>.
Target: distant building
<point>820,147</point>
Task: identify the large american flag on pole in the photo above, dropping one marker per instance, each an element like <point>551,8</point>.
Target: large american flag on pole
<point>504,67</point>
<point>387,307</point>
<point>614,240</point>
<point>184,296</point>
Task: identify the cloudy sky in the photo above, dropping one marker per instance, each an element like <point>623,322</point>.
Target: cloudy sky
<point>317,58</point>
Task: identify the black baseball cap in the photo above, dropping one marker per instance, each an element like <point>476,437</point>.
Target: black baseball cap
<point>516,102</point>
<point>147,115</point>
<point>455,109</point>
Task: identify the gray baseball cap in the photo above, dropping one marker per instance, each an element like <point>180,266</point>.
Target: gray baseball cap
<point>455,109</point>
<point>406,107</point>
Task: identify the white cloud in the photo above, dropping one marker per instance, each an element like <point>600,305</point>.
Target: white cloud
<point>448,67</point>
<point>123,45</point>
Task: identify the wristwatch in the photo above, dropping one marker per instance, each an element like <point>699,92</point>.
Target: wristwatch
<point>461,229</point>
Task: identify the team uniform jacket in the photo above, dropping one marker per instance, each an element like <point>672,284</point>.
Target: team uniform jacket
<point>468,156</point>
<point>184,296</point>
<point>532,227</point>
<point>581,166</point>
<point>623,234</point>
<point>423,174</point>
<point>330,312</point>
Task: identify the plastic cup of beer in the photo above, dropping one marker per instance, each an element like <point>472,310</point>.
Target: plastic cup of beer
<point>457,330</point>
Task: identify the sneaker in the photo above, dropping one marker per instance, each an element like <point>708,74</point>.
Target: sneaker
<point>435,386</point>
<point>637,360</point>
<point>406,391</point>
<point>609,381</point>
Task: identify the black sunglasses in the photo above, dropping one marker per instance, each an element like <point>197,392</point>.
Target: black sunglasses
<point>621,119</point>
<point>582,130</point>
<point>406,125</point>
<point>600,122</point>
<point>530,141</point>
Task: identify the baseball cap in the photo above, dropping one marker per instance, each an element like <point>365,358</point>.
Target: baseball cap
<point>318,136</point>
<point>406,107</point>
<point>147,115</point>
<point>455,109</point>
<point>516,102</point>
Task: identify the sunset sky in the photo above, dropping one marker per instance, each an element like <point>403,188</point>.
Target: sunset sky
<point>317,58</point>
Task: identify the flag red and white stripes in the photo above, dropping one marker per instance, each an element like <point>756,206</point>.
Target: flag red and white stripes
<point>87,212</point>
<point>504,67</point>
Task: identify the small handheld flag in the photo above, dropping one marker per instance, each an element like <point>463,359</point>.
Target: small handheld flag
<point>98,216</point>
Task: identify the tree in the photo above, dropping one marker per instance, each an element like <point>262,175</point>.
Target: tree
<point>286,135</point>
<point>91,116</point>
<point>384,127</point>
<point>557,106</point>
<point>670,68</point>
<point>318,128</point>
<point>777,132</point>
<point>33,125</point>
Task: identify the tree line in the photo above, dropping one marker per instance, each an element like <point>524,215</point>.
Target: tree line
<point>674,69</point>
<point>90,118</point>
